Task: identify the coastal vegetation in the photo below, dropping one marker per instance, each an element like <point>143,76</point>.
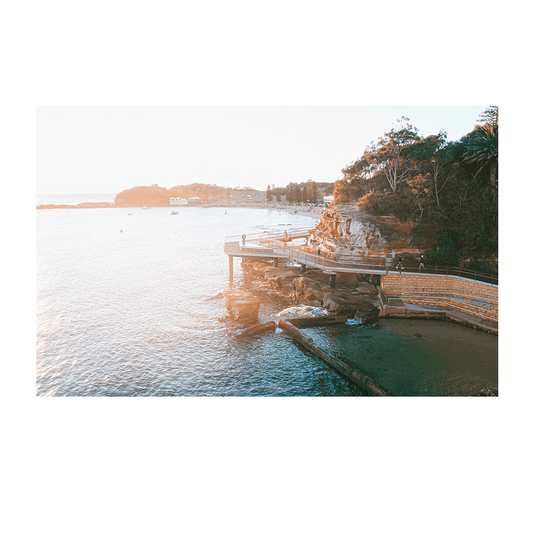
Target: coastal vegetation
<point>304,192</point>
<point>155,196</point>
<point>447,188</point>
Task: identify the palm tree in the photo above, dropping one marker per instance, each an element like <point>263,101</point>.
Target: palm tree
<point>483,148</point>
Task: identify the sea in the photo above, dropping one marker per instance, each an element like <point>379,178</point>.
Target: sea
<point>74,198</point>
<point>125,308</point>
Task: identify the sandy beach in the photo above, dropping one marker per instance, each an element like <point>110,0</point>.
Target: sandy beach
<point>313,212</point>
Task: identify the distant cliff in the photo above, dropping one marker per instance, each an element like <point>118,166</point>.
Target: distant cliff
<point>153,196</point>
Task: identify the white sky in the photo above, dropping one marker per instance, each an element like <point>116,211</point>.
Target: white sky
<point>109,149</point>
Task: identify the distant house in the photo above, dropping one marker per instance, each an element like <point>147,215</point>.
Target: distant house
<point>194,200</point>
<point>177,201</point>
<point>328,199</point>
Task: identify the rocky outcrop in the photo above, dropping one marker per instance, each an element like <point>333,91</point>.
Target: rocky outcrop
<point>242,307</point>
<point>267,327</point>
<point>345,231</point>
<point>352,304</point>
<point>218,296</point>
<point>153,196</point>
<point>356,299</point>
<point>309,291</point>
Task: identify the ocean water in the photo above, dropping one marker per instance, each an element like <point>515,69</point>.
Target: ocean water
<point>417,357</point>
<point>123,310</point>
<point>126,313</point>
<point>74,198</point>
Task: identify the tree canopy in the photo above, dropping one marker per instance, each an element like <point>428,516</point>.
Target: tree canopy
<point>435,183</point>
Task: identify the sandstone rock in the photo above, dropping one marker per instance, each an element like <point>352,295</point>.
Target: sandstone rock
<point>218,296</point>
<point>366,288</point>
<point>267,327</point>
<point>362,306</point>
<point>346,231</point>
<point>306,290</point>
<point>279,277</point>
<point>242,306</point>
<point>284,280</point>
<point>359,300</point>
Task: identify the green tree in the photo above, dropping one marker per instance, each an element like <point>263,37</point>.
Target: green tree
<point>434,158</point>
<point>482,148</point>
<point>305,192</point>
<point>290,192</point>
<point>312,191</point>
<point>297,193</point>
<point>389,155</point>
<point>363,168</point>
<point>489,116</point>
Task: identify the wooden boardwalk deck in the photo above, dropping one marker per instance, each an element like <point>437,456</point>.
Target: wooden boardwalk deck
<point>280,245</point>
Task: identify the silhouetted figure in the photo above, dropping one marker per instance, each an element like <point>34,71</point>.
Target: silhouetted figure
<point>399,265</point>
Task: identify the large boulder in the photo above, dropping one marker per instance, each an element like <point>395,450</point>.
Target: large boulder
<point>242,306</point>
<point>306,290</point>
<point>363,306</point>
<point>279,277</point>
<point>365,287</point>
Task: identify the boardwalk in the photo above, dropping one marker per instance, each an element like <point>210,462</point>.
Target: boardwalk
<point>276,245</point>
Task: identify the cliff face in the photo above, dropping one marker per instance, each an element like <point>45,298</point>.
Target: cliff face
<point>153,196</point>
<point>349,231</point>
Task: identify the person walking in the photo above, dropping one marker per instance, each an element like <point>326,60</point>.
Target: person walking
<point>399,265</point>
<point>421,265</point>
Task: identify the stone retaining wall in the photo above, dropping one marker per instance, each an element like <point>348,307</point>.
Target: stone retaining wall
<point>472,297</point>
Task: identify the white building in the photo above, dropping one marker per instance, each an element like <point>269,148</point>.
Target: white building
<point>177,201</point>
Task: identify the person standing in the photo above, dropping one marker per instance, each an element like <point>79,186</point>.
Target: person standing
<point>243,239</point>
<point>421,266</point>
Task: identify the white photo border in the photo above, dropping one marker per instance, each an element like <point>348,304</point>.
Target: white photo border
<point>32,96</point>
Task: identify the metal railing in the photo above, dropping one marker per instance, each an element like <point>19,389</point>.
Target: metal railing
<point>270,235</point>
<point>279,244</point>
<point>453,271</point>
